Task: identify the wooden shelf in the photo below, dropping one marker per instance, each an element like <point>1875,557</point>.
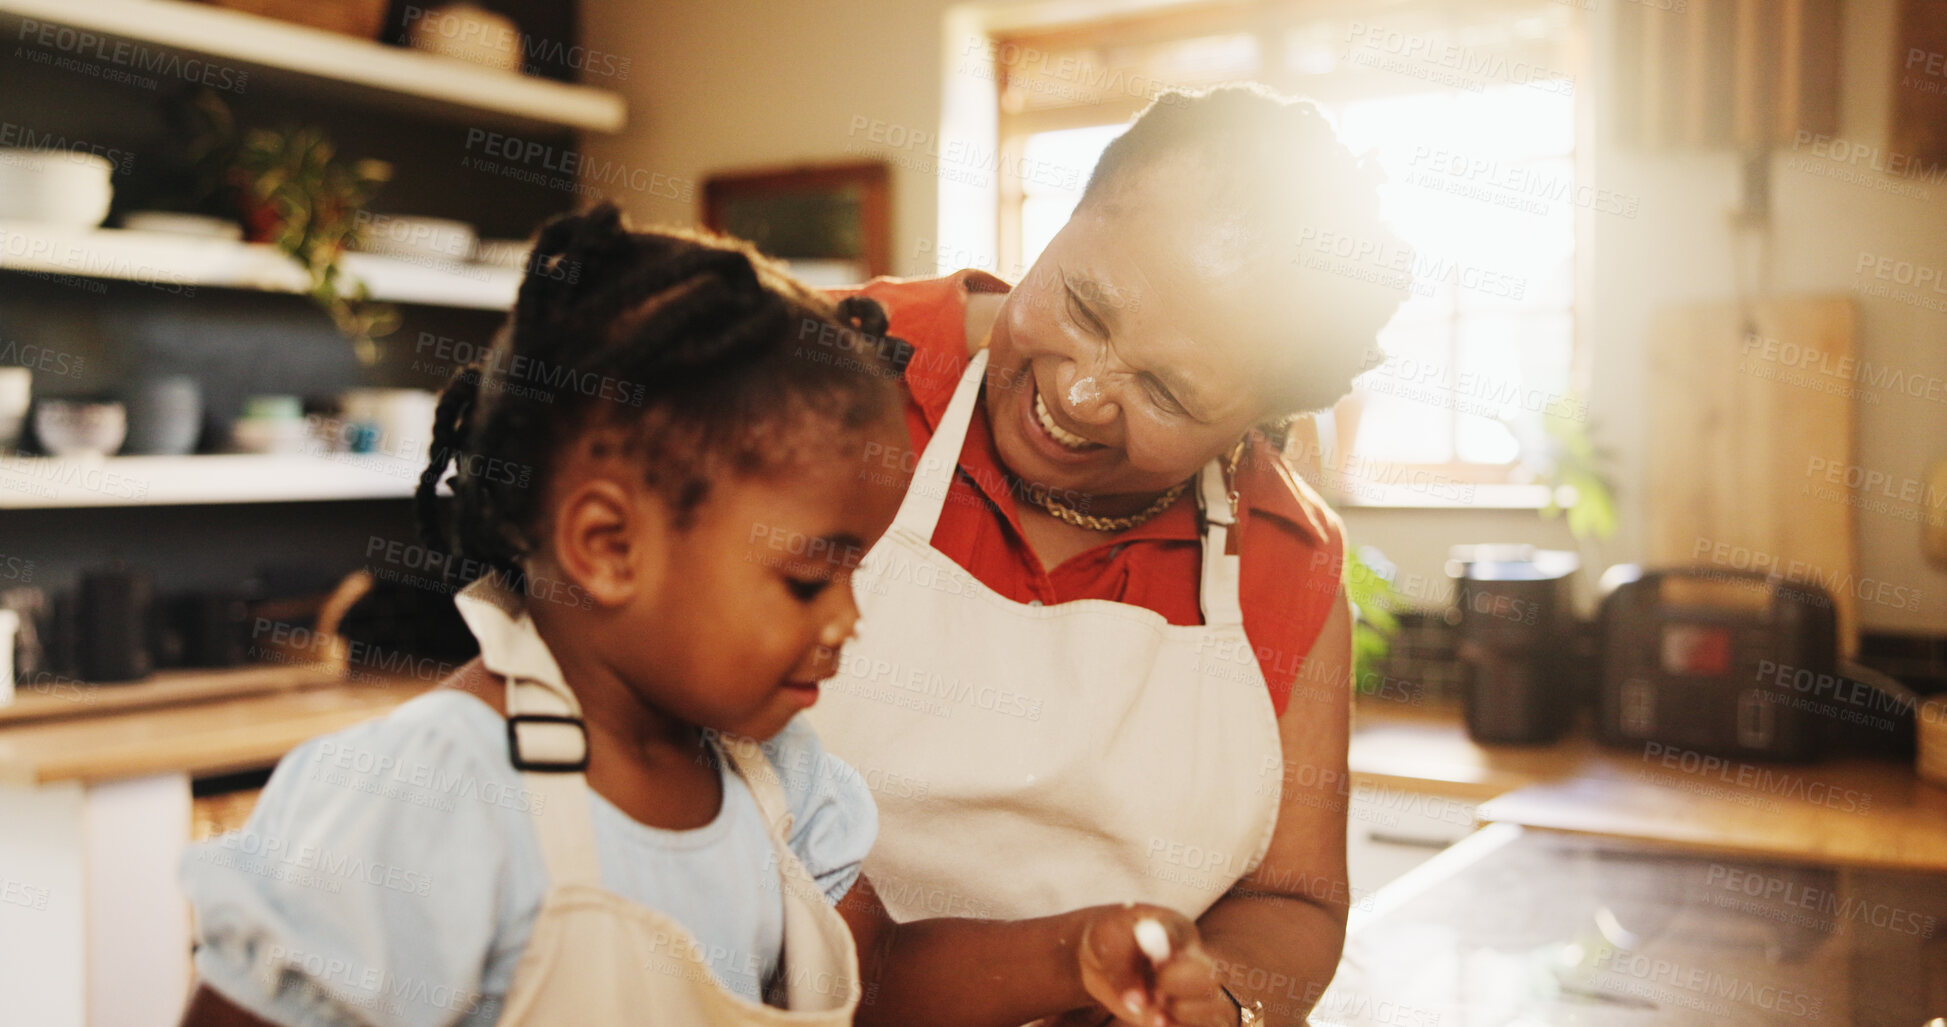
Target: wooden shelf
<point>439,85</point>
<point>179,264</point>
<point>50,483</point>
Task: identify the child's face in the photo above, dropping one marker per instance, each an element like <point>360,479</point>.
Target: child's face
<point>757,598</point>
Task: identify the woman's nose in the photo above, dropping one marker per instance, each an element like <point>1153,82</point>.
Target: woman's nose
<point>1084,394</point>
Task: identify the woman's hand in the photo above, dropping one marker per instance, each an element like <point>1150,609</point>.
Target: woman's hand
<point>1174,984</point>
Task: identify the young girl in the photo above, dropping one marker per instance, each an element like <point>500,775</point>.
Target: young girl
<point>660,467</point>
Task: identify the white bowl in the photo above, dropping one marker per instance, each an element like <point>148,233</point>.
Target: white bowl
<point>58,187</point>
<point>76,428</point>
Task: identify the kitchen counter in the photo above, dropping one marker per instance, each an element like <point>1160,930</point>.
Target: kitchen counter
<point>1851,811</point>
<point>1518,926</point>
<point>210,735</point>
<point>97,799</point>
<point>95,788</point>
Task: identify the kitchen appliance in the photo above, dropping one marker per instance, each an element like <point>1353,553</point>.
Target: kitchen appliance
<point>55,187</point>
<point>1735,663</point>
<point>113,623</point>
<point>1516,624</point>
<point>204,629</point>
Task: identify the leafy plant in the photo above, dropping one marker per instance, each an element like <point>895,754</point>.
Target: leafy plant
<point>1369,585</point>
<point>306,201</point>
<point>1579,485</point>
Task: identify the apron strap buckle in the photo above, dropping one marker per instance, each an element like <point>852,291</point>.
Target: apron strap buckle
<point>557,750</point>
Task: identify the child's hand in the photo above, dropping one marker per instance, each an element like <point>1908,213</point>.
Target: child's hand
<point>1146,965</point>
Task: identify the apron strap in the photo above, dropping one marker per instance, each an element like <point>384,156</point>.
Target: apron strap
<point>1218,591</point>
<point>747,758</point>
<point>919,512</point>
<point>549,746</point>
<point>564,823</point>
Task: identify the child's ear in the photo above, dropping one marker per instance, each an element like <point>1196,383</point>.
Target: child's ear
<point>612,541</point>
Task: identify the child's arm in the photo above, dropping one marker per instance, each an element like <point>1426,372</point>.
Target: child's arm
<point>956,972</point>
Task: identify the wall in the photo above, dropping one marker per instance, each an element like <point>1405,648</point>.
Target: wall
<point>1820,228</point>
<point>739,83</point>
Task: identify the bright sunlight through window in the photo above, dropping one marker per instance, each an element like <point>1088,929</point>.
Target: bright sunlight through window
<point>1484,339</point>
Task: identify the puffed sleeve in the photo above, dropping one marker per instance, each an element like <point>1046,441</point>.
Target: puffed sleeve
<point>368,886</point>
<point>834,818</point>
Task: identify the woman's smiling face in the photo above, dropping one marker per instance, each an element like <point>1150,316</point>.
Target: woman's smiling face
<point>1131,354</point>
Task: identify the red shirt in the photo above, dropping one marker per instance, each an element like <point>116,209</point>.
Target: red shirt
<point>1290,544</point>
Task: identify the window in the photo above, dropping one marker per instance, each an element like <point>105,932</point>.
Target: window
<point>1473,118</point>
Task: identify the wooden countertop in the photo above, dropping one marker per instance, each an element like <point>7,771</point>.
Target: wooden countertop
<point>201,736</point>
<point>1848,811</point>
<point>1426,749</point>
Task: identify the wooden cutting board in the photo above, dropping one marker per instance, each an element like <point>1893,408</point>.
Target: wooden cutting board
<point>1746,421</point>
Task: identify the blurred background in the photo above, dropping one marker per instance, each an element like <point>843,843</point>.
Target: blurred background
<point>1652,469</point>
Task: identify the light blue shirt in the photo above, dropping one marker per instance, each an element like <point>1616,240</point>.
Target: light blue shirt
<point>390,873</point>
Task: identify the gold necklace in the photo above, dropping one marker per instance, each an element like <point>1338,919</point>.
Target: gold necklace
<point>1094,523</point>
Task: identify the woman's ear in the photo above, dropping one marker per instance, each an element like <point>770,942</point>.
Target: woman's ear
<point>612,541</point>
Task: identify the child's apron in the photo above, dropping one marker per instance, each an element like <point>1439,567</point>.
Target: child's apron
<point>596,958</point>
<point>1030,759</point>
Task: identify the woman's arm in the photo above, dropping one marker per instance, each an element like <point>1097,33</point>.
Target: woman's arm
<point>955,972</point>
<point>1278,934</point>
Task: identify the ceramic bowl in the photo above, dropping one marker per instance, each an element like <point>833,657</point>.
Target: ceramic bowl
<point>56,187</point>
<point>79,428</point>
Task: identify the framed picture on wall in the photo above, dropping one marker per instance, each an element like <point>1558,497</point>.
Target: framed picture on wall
<point>832,222</point>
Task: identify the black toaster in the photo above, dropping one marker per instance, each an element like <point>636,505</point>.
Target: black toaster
<point>1730,663</point>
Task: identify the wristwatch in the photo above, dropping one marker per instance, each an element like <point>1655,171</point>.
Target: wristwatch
<point>1246,1015</point>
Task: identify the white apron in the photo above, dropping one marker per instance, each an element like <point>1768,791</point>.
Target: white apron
<point>1031,759</point>
<point>596,958</point>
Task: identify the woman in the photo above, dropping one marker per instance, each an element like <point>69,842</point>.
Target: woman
<point>1105,653</point>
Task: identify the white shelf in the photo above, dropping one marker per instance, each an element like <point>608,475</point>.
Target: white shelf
<point>177,263</point>
<point>435,83</point>
<point>50,483</point>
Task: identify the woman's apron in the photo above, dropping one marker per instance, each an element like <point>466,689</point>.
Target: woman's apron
<point>596,958</point>
<point>1030,759</point>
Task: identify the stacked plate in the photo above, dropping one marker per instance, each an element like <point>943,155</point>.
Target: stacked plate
<point>55,187</point>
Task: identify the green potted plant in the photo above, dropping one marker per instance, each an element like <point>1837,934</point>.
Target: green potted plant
<point>301,197</point>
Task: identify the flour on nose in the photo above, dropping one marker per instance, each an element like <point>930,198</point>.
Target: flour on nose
<point>1083,391</point>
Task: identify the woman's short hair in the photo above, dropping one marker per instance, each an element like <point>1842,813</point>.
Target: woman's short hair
<point>1277,164</point>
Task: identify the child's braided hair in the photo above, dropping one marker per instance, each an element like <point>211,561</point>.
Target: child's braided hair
<point>704,353</point>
